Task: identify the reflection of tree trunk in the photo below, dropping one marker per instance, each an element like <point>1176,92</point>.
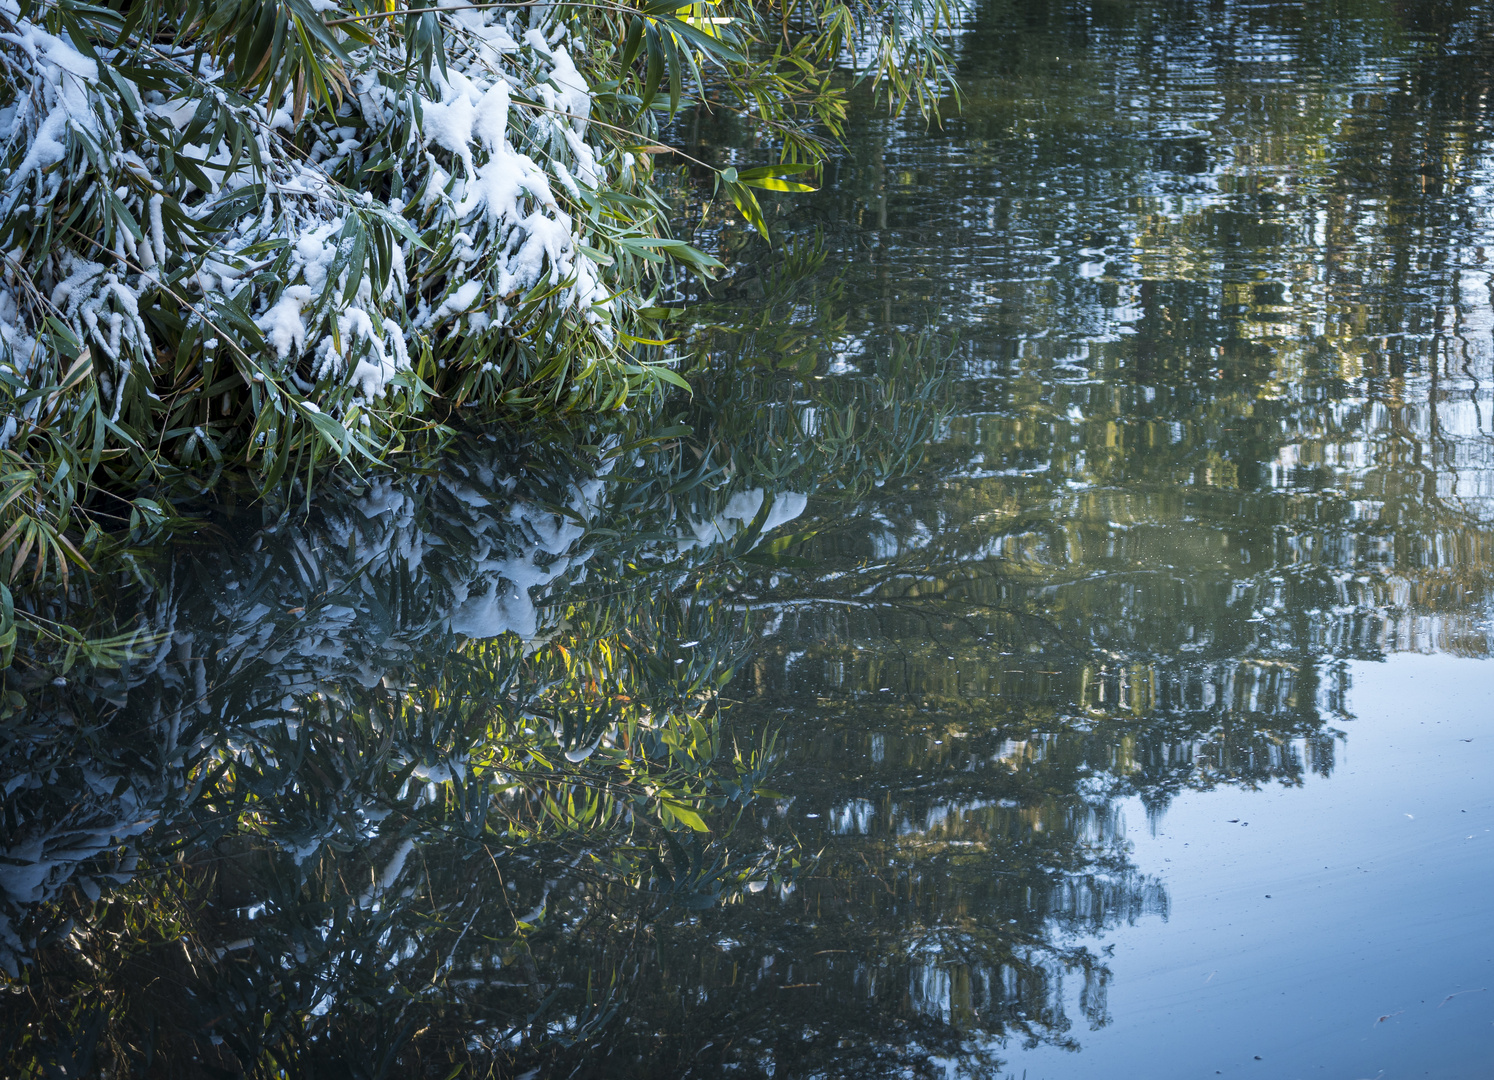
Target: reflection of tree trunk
<point>1436,446</point>
<point>879,174</point>
<point>1465,353</point>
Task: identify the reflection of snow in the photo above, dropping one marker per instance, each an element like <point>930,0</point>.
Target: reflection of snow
<point>854,817</point>
<point>739,513</point>
<point>348,595</point>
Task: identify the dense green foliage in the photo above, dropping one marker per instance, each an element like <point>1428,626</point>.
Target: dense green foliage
<point>246,240</point>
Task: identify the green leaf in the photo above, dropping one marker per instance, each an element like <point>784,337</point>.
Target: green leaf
<point>667,374</point>
<point>787,168</point>
<point>769,177</point>
<point>654,74</point>
<point>746,202</point>
<point>687,816</point>
<point>774,184</point>
<point>721,49</point>
<point>632,42</point>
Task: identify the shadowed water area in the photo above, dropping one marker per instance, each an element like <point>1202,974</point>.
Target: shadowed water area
<point>1082,528</point>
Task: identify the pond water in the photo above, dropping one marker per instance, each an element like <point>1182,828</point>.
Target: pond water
<point>1131,734</point>
<point>1124,673</point>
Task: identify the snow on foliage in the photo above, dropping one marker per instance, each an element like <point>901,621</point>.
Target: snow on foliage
<point>262,237</point>
<point>223,271</point>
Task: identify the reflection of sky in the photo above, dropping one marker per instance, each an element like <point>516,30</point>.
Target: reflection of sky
<point>1379,883</point>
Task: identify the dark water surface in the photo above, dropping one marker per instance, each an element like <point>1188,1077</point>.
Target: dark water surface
<point>1143,727</point>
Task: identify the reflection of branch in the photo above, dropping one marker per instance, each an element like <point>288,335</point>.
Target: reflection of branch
<point>941,610</point>
<point>809,602</point>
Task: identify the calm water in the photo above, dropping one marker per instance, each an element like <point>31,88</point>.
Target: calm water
<point>1132,734</point>
<point>1142,726</point>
